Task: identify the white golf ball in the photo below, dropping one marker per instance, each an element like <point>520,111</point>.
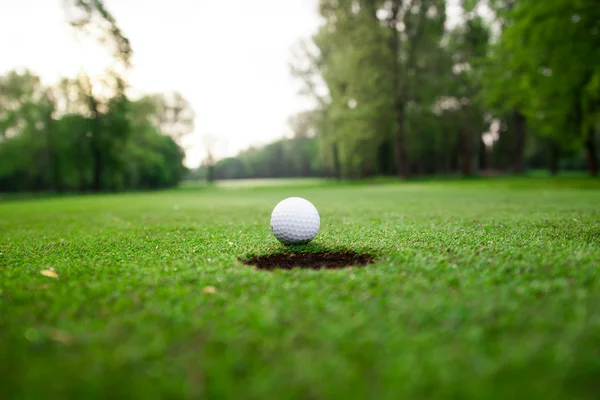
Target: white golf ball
<point>295,220</point>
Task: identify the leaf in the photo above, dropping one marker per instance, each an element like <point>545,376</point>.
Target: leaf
<point>50,273</point>
<point>470,5</point>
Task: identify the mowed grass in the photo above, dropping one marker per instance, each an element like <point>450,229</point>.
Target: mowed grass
<point>480,290</point>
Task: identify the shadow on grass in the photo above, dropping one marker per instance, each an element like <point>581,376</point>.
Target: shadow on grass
<point>308,256</point>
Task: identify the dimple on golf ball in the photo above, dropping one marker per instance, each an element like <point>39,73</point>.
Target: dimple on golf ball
<point>295,220</point>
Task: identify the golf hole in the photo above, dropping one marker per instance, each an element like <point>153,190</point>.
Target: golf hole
<point>310,260</point>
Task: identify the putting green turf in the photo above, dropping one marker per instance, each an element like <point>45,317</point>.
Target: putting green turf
<point>480,290</point>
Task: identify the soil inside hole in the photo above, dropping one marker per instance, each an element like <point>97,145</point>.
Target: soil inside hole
<point>310,260</point>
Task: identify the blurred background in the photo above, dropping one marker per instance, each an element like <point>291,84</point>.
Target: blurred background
<point>112,95</point>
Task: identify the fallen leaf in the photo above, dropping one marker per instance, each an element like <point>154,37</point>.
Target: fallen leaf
<point>50,273</point>
<point>209,290</point>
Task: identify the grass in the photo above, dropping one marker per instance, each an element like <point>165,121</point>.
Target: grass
<point>481,289</point>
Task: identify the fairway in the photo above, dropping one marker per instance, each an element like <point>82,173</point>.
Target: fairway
<point>479,289</point>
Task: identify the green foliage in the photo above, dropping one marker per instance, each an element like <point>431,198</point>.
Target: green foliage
<point>424,95</point>
<point>386,67</point>
<point>546,64</point>
<point>85,133</point>
<point>172,113</point>
<point>296,157</point>
<point>47,146</point>
<point>379,71</point>
<point>92,18</point>
<point>396,91</point>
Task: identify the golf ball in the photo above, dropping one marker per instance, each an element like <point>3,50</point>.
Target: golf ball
<point>295,220</point>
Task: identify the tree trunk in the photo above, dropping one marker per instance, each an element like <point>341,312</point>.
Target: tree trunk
<point>483,155</point>
<point>590,152</point>
<point>554,158</point>
<point>97,168</point>
<point>400,159</point>
<point>210,173</point>
<point>519,137</point>
<point>83,166</point>
<point>337,167</point>
<point>400,142</point>
<point>57,181</point>
<point>465,153</point>
<point>82,183</point>
<point>465,147</point>
<point>97,161</point>
<point>96,155</point>
<point>423,167</point>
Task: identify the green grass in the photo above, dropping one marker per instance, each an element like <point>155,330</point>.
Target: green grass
<point>482,289</point>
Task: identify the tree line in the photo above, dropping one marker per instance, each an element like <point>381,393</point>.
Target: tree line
<point>61,139</point>
<point>85,133</point>
<point>513,85</point>
<point>400,92</point>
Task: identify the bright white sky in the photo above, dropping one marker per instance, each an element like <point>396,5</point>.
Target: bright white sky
<point>228,58</point>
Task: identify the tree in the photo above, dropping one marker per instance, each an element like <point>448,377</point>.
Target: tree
<point>209,162</point>
<point>27,107</point>
<point>373,56</point>
<point>85,133</point>
<point>47,133</point>
<point>93,21</point>
<point>546,63</point>
<point>309,60</point>
<point>466,43</point>
<point>174,114</point>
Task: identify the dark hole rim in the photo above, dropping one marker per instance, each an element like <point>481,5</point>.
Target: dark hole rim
<point>309,260</point>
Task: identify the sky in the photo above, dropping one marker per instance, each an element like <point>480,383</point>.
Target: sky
<point>229,59</point>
